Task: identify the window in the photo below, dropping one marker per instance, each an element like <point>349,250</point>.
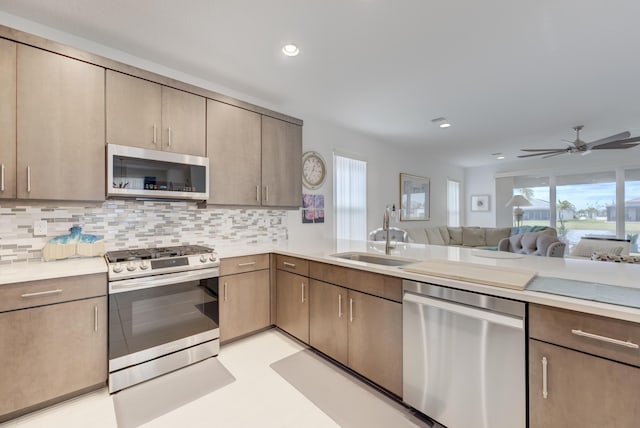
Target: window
<point>631,207</point>
<point>536,190</point>
<point>453,203</point>
<point>350,197</point>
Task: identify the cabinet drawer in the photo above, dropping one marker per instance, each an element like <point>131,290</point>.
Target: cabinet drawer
<point>292,264</point>
<point>585,332</point>
<point>371,283</point>
<point>244,264</point>
<point>37,293</point>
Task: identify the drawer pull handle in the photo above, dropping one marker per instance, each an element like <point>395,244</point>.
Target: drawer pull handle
<point>627,344</point>
<point>42,293</point>
<point>289,264</point>
<point>246,264</point>
<point>545,392</point>
<point>339,305</point>
<point>95,318</point>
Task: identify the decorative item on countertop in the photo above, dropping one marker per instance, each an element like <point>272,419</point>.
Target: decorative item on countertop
<point>75,243</point>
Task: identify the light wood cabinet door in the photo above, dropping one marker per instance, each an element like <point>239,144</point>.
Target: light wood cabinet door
<point>281,163</point>
<point>375,339</point>
<point>244,304</point>
<point>60,126</point>
<point>183,122</point>
<point>50,352</point>
<point>233,147</point>
<point>328,320</point>
<point>7,119</point>
<point>582,390</point>
<point>292,302</point>
<point>134,111</point>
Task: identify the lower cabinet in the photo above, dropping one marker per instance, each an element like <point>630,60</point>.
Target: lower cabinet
<point>581,390</point>
<point>51,352</point>
<point>361,331</point>
<point>292,303</point>
<point>244,304</point>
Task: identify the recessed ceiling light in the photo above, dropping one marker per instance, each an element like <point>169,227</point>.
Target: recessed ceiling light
<point>290,50</point>
<point>441,122</point>
<point>501,157</point>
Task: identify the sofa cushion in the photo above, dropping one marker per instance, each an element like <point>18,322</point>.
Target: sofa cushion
<point>493,235</point>
<point>444,231</point>
<point>473,237</point>
<point>516,243</point>
<point>529,240</point>
<point>434,237</point>
<point>417,235</point>
<point>543,242</point>
<point>455,235</point>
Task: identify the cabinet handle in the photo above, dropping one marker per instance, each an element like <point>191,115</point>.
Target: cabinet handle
<point>289,264</point>
<point>155,139</point>
<point>42,293</point>
<point>2,180</point>
<point>266,193</point>
<point>628,343</point>
<point>169,132</point>
<point>545,393</point>
<point>225,292</point>
<point>302,289</point>
<point>350,310</point>
<point>246,264</point>
<point>95,318</point>
<point>339,305</point>
<point>258,192</point>
<point>28,178</point>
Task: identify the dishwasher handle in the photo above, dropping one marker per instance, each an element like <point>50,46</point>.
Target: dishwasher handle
<point>492,317</point>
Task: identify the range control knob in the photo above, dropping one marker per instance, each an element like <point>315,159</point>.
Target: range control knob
<point>144,265</point>
<point>212,257</point>
<point>118,268</point>
<point>203,258</point>
<point>131,266</point>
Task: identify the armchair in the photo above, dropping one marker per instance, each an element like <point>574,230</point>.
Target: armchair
<point>534,243</point>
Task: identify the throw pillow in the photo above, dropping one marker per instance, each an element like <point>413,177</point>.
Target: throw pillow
<point>493,235</point>
<point>529,240</point>
<point>604,257</point>
<point>516,244</point>
<point>543,242</point>
<point>433,236</point>
<point>473,237</point>
<point>444,231</point>
<point>455,235</point>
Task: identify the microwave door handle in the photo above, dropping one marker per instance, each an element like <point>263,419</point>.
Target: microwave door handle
<point>168,279</point>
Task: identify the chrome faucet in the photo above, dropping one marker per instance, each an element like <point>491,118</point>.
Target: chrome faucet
<point>385,227</point>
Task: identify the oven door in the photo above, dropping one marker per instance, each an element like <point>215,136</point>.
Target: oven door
<point>154,316</point>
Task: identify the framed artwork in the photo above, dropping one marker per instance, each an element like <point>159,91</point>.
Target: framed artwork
<point>480,203</point>
<point>312,208</point>
<point>414,197</point>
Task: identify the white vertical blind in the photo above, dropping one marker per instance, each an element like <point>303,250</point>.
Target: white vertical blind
<point>453,203</point>
<point>350,198</point>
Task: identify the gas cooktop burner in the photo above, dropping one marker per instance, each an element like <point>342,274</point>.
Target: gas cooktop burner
<point>156,253</point>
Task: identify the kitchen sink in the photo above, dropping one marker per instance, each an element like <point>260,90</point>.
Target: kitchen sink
<point>378,259</point>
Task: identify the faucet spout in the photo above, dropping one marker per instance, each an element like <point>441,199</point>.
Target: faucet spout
<point>385,227</point>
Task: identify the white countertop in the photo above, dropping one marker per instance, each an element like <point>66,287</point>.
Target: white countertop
<point>620,274</point>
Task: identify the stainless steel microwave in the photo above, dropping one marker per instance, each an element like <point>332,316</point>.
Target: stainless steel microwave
<point>144,173</point>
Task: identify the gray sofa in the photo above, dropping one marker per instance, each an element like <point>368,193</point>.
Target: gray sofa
<point>477,237</point>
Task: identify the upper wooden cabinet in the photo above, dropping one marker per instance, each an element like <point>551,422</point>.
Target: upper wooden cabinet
<point>60,127</point>
<point>233,147</point>
<point>7,119</point>
<point>255,160</point>
<point>145,114</point>
<point>281,163</point>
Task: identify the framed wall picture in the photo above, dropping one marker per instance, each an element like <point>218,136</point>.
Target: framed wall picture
<point>480,203</point>
<point>414,197</point>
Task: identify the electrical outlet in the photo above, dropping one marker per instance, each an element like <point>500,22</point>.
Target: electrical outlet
<point>40,228</point>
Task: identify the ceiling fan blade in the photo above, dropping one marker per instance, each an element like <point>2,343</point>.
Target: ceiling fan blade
<point>610,139</point>
<point>555,154</point>
<point>551,152</point>
<point>619,144</point>
<point>541,150</point>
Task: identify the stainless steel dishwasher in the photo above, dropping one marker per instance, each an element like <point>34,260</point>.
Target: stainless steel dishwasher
<point>464,357</point>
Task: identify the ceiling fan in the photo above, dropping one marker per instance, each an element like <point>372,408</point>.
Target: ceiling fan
<point>618,141</point>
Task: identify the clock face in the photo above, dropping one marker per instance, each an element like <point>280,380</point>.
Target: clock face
<point>313,170</point>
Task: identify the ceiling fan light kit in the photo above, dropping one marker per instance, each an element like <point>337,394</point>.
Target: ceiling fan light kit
<point>617,141</point>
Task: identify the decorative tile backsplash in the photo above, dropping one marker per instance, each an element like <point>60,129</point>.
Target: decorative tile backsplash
<point>135,224</point>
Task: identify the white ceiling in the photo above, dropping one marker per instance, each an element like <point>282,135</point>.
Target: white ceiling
<point>508,74</point>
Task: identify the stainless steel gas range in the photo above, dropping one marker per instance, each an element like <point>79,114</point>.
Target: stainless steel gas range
<point>163,311</point>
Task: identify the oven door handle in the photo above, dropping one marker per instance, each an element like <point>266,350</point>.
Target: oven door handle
<point>160,280</point>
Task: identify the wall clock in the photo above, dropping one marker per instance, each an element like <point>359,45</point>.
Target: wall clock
<point>314,170</point>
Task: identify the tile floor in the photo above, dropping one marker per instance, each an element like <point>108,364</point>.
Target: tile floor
<point>259,397</point>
